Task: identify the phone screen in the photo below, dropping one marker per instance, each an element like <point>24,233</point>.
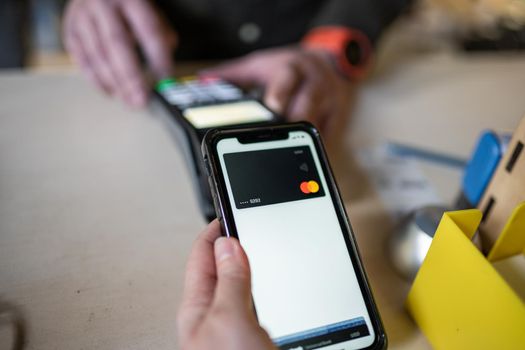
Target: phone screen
<point>304,285</point>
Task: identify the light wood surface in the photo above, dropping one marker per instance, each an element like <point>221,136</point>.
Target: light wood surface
<point>97,213</point>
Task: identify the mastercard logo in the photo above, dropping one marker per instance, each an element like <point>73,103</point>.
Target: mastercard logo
<point>309,187</point>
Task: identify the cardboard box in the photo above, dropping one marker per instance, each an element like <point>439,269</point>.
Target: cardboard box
<point>505,191</point>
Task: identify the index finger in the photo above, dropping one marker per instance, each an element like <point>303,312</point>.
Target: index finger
<point>122,57</point>
<point>155,37</point>
<point>282,87</point>
<point>200,281</point>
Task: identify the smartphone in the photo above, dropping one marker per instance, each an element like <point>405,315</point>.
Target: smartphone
<point>197,105</point>
<point>274,191</point>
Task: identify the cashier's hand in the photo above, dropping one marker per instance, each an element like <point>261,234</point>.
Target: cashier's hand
<point>300,84</point>
<point>217,310</point>
<point>102,36</point>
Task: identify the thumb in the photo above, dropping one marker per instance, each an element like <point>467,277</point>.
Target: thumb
<point>233,291</point>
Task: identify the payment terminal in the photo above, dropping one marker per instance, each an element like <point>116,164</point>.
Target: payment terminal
<point>198,104</point>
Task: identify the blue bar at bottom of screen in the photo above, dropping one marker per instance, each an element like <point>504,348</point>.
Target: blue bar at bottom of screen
<point>325,335</point>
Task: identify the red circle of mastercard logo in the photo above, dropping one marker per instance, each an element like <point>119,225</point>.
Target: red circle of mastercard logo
<point>309,187</point>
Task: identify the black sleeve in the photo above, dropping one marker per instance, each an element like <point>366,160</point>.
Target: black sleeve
<point>369,16</point>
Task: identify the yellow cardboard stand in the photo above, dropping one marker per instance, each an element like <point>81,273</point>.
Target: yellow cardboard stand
<point>458,299</point>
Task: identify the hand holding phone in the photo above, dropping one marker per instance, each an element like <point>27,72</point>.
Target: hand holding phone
<point>216,310</point>
<point>273,190</point>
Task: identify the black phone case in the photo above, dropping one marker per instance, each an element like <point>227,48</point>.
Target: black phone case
<point>225,215</point>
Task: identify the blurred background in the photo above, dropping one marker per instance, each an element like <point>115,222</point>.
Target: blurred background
<point>30,34</point>
<point>30,30</point>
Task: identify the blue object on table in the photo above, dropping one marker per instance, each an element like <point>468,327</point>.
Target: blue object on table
<point>482,165</point>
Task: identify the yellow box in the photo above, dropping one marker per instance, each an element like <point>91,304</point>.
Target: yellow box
<point>458,299</point>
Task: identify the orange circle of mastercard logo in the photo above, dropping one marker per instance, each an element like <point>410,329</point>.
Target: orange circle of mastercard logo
<point>309,187</point>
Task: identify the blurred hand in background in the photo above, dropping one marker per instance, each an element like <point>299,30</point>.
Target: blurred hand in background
<point>299,83</point>
<point>103,37</point>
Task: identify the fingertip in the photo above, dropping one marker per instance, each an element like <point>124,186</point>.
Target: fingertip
<point>229,248</point>
<point>282,87</point>
<point>274,104</point>
<point>208,74</point>
<point>214,225</point>
<point>164,70</point>
<point>224,249</point>
<point>211,232</point>
<point>296,110</point>
<point>213,73</point>
<point>238,71</point>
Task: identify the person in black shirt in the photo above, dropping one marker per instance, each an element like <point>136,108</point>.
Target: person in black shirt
<point>306,54</point>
